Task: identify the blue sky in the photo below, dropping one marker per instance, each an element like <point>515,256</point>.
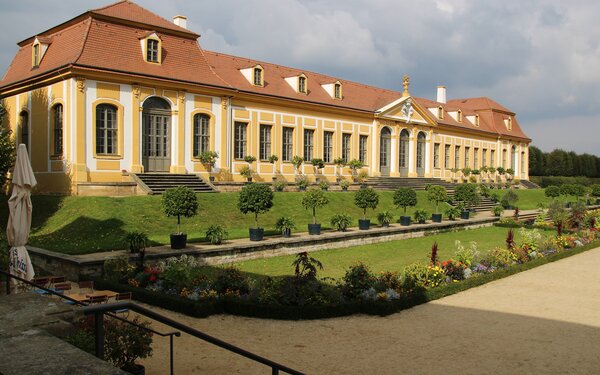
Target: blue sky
<point>540,58</point>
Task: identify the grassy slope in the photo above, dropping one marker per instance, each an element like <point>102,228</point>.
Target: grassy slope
<point>388,256</point>
<point>78,225</point>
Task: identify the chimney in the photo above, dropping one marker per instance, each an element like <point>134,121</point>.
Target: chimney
<point>180,21</point>
<point>441,94</point>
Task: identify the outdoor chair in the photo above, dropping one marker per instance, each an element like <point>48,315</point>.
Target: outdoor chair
<point>123,297</point>
<point>98,299</point>
<point>62,287</point>
<point>86,285</point>
<point>43,282</point>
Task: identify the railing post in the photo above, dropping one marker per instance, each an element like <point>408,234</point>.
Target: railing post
<point>171,349</point>
<point>99,331</point>
<point>274,371</point>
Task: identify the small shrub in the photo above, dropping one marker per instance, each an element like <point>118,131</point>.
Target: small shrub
<point>317,163</point>
<point>124,342</point>
<point>231,280</point>
<point>249,159</point>
<point>552,191</point>
<point>510,199</point>
<point>341,221</point>
<point>501,257</point>
<point>313,199</point>
<point>385,218</point>
<point>138,241</point>
<point>466,255</point>
<point>344,184</point>
<point>273,159</point>
<point>421,216</point>
<point>453,212</point>
<point>324,185</point>
<point>498,210</point>
<point>302,182</point>
<point>358,279</point>
<point>118,267</point>
<point>278,185</point>
<point>215,234</point>
<point>388,280</point>
<point>285,223</point>
<point>306,266</point>
<point>245,171</point>
<point>297,162</point>
<point>362,176</point>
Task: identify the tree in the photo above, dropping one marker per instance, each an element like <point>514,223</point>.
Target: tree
<point>405,197</point>
<point>255,198</point>
<point>313,199</point>
<point>180,201</point>
<point>552,191</point>
<point>437,194</point>
<point>467,193</point>
<point>7,149</point>
<point>366,198</point>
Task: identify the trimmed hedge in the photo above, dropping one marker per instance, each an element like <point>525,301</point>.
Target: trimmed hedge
<point>251,308</point>
<point>545,181</point>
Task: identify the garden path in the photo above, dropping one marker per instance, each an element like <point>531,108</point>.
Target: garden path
<point>544,320</point>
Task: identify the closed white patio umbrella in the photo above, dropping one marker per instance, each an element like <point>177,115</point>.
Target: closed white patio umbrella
<point>19,219</point>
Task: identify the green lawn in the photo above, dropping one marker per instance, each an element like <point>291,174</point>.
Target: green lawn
<point>388,256</point>
<point>79,225</point>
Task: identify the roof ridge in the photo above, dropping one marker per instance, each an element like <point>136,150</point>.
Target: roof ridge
<point>202,51</point>
<point>109,5</point>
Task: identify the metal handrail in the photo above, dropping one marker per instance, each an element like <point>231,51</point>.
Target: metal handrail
<point>100,309</point>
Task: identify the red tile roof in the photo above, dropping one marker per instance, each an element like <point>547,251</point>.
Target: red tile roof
<point>108,39</point>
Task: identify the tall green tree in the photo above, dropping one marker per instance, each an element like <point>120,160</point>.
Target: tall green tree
<point>7,147</point>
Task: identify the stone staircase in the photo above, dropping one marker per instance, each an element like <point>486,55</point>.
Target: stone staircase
<point>157,183</point>
<point>420,183</point>
<point>529,185</point>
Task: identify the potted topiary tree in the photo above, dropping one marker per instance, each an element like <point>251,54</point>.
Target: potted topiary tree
<point>510,199</point>
<point>297,163</point>
<point>466,172</point>
<point>344,184</point>
<point>124,343</point>
<point>437,194</point>
<point>501,171</point>
<point>366,198</point>
<point>355,165</point>
<point>302,182</point>
<point>454,172</point>
<point>405,197</point>
<point>339,163</point>
<point>313,199</point>
<point>318,164</point>
<point>468,194</point>
<point>420,216</point>
<point>257,199</point>
<point>208,159</point>
<point>285,224</point>
<point>510,173</point>
<point>273,159</point>
<point>138,241</point>
<point>249,159</point>
<point>179,201</point>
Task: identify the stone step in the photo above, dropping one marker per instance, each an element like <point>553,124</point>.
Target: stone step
<point>159,182</point>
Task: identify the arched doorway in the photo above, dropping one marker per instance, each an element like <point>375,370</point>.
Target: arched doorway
<point>403,153</point>
<point>421,154</point>
<point>385,145</point>
<point>156,135</point>
<point>513,159</point>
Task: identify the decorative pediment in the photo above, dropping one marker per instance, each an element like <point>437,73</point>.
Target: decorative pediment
<point>405,110</point>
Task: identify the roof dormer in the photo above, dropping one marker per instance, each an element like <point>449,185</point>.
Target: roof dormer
<point>474,119</point>
<point>334,90</point>
<point>440,113</point>
<point>38,50</point>
<point>508,122</point>
<point>255,75</point>
<point>151,45</point>
<point>298,83</point>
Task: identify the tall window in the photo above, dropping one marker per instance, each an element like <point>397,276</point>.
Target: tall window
<point>288,143</point>
<point>152,50</point>
<point>346,147</point>
<point>57,117</point>
<point>337,91</point>
<point>447,156</point>
<point>201,134</point>
<point>36,54</point>
<point>456,156</point>
<point>492,158</point>
<point>467,161</point>
<point>258,80</point>
<point>239,139</point>
<point>484,157</point>
<point>513,158</point>
<point>404,149</point>
<point>476,158</point>
<point>24,125</point>
<point>302,85</point>
<point>265,142</point>
<point>436,155</point>
<point>522,164</point>
<point>106,129</point>
<point>308,144</point>
<point>504,158</point>
<point>362,148</point>
<point>327,147</point>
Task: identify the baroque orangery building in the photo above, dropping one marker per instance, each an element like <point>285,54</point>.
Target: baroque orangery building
<point>120,90</point>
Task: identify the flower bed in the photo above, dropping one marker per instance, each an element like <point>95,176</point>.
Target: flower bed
<point>183,285</point>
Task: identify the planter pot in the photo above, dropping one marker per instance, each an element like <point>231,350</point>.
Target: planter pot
<point>211,178</point>
<point>385,225</point>
<point>464,215</point>
<point>364,224</point>
<point>256,234</point>
<point>314,229</point>
<point>338,179</point>
<point>363,186</point>
<point>346,189</point>
<point>249,179</point>
<point>286,233</point>
<point>134,369</point>
<point>178,241</point>
<point>302,188</point>
<point>274,178</point>
<point>405,220</point>
<point>436,218</point>
<point>421,221</point>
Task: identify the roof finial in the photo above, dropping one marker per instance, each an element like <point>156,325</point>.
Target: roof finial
<point>405,82</point>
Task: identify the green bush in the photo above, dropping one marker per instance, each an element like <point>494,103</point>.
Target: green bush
<point>510,199</point>
<point>180,201</point>
<point>596,190</point>
<point>498,210</point>
<point>421,216</point>
<point>317,163</point>
<point>313,199</point>
<point>7,149</point>
<point>208,158</point>
<point>302,182</point>
<point>405,197</point>
<point>231,280</point>
<point>278,185</point>
<point>118,267</point>
<point>467,193</point>
<point>366,198</point>
<point>341,221</point>
<point>385,218</point>
<point>124,342</point>
<point>285,223</point>
<point>137,241</point>
<point>215,234</point>
<point>437,194</point>
<point>545,181</point>
<point>255,198</point>
<point>357,279</point>
<point>552,191</point>
<point>324,185</point>
<point>453,212</point>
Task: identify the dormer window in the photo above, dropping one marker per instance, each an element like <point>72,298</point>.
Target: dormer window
<point>459,116</point>
<point>337,91</point>
<point>152,48</point>
<point>476,120</point>
<point>36,55</point>
<point>258,76</point>
<point>302,84</point>
<point>440,113</point>
<point>508,123</point>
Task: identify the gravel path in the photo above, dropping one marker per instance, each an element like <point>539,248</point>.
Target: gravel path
<point>542,321</point>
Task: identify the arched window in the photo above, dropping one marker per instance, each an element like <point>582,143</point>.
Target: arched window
<point>404,149</point>
<point>513,159</point>
<point>421,150</point>
<point>106,129</point>
<point>24,125</point>
<point>201,134</point>
<point>57,120</point>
